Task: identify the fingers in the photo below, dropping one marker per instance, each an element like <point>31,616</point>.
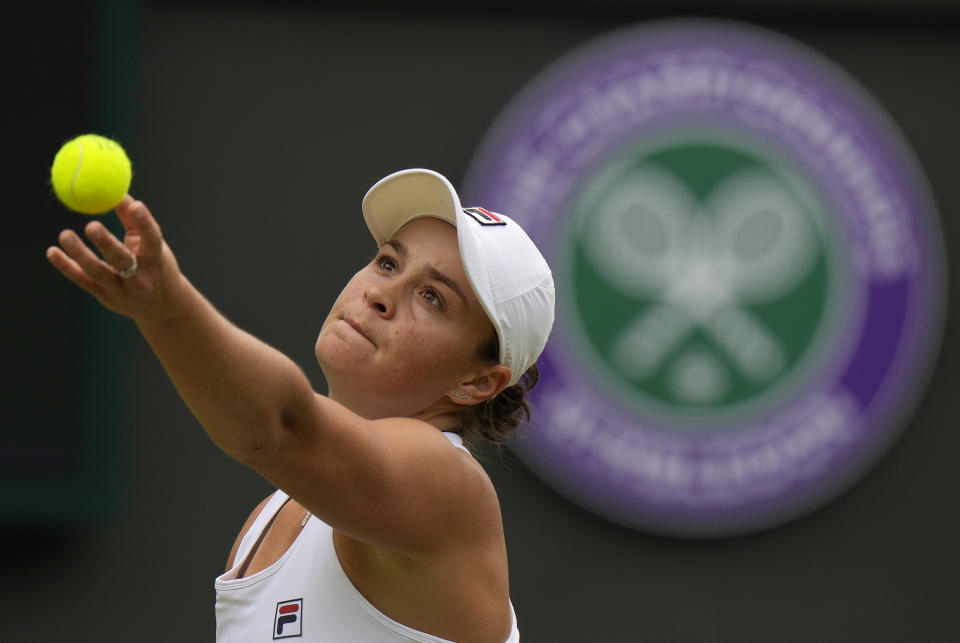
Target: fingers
<point>151,238</point>
<point>117,254</point>
<point>143,245</point>
<point>138,221</point>
<point>72,270</point>
<point>69,268</point>
<point>123,210</point>
<point>96,268</point>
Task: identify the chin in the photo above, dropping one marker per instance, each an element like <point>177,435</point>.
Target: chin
<point>331,361</point>
<point>342,369</point>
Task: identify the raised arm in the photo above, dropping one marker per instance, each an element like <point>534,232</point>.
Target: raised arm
<point>238,387</point>
<point>392,483</point>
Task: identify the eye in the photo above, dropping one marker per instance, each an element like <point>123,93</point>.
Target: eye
<point>386,263</point>
<point>432,297</point>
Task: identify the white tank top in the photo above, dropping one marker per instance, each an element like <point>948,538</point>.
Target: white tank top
<point>306,594</point>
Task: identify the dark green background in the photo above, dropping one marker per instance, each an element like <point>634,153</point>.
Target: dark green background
<point>255,130</point>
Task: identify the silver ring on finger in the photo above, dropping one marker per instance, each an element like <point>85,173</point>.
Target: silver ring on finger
<point>131,271</point>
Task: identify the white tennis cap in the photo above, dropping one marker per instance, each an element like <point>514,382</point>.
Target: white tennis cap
<point>506,271</point>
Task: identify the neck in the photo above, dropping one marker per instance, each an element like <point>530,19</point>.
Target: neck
<point>442,414</point>
<point>443,420</point>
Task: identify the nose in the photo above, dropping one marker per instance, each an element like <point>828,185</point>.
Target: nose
<point>382,299</point>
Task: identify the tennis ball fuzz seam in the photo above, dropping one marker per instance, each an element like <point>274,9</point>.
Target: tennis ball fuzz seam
<point>91,174</point>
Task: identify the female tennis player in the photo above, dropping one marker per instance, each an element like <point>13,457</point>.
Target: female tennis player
<point>383,527</point>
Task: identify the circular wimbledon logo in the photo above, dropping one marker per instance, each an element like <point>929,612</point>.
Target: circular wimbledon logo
<point>749,275</point>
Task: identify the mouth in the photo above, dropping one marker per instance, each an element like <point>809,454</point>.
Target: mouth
<point>357,327</point>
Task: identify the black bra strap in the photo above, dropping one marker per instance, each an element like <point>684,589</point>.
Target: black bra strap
<point>256,545</point>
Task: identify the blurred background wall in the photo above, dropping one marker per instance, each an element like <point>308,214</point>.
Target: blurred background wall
<point>254,130</point>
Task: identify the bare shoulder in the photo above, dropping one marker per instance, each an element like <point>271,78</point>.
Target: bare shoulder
<point>457,586</point>
<point>246,526</point>
<point>394,483</point>
<point>413,440</point>
<point>464,479</point>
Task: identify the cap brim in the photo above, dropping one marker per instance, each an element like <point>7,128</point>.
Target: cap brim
<point>403,196</point>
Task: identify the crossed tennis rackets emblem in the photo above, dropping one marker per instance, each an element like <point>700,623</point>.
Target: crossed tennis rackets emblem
<point>698,260</point>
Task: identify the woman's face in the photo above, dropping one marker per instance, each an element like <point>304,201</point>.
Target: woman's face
<point>406,330</point>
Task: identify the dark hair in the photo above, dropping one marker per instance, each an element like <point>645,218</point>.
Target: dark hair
<point>494,420</point>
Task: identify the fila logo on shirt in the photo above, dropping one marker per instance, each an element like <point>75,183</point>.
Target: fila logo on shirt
<point>484,217</point>
<point>288,620</point>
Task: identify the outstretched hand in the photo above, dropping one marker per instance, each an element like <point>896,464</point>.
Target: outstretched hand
<point>137,277</point>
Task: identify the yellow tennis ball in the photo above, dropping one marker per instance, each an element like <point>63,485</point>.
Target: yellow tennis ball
<point>91,174</point>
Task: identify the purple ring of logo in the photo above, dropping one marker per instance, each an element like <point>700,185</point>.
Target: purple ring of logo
<point>641,81</point>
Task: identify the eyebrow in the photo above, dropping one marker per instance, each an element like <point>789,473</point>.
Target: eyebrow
<point>396,245</point>
<point>433,272</point>
<point>448,282</point>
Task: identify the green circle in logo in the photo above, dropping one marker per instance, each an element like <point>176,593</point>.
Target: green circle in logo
<point>699,275</point>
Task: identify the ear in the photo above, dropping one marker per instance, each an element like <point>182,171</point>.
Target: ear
<point>489,381</point>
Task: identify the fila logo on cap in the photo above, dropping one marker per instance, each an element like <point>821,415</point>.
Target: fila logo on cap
<point>288,620</point>
<point>484,217</point>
